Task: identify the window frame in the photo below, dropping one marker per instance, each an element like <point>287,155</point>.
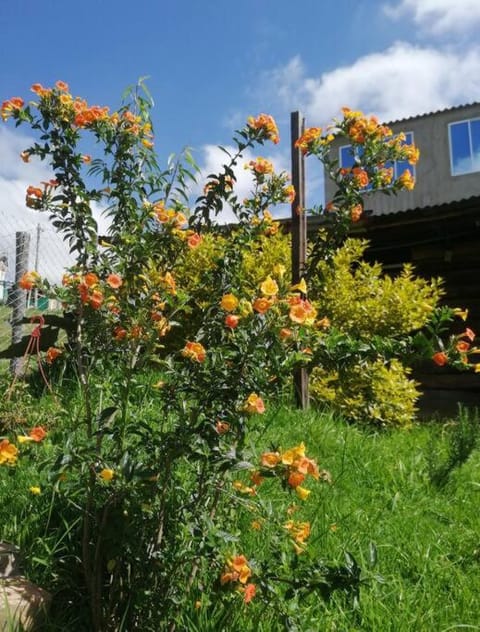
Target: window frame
<point>450,146</point>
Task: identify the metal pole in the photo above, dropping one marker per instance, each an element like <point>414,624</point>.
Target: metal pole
<point>299,238</point>
<point>22,250</point>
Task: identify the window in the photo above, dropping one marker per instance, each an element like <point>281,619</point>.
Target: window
<point>347,159</point>
<point>464,146</point>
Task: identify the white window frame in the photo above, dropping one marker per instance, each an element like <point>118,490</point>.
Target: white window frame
<point>468,120</point>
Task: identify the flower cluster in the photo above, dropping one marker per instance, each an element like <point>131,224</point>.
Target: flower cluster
<point>264,128</point>
<point>237,571</point>
<point>9,452</point>
<point>458,350</point>
<point>292,466</point>
<point>299,532</point>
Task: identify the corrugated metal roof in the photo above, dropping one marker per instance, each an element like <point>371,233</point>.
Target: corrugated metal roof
<point>449,109</point>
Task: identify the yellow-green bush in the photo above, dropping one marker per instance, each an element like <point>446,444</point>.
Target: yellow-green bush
<point>377,392</point>
<point>360,300</point>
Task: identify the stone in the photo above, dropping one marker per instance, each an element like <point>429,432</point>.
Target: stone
<point>22,604</point>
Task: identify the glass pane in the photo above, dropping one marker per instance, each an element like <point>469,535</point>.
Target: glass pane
<point>401,166</point>
<point>346,157</point>
<point>460,148</point>
<point>475,137</point>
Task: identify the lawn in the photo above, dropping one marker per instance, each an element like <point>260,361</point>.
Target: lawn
<point>403,504</point>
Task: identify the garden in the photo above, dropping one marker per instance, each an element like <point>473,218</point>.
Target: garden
<point>154,470</point>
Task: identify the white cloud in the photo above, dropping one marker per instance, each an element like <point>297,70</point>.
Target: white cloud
<point>439,16</point>
<point>404,80</point>
<point>214,158</point>
<point>15,216</point>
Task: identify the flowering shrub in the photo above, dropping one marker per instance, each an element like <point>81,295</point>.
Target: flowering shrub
<point>178,335</point>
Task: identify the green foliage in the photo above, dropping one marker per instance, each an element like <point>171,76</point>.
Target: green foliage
<point>375,392</point>
<point>453,447</point>
<point>363,301</point>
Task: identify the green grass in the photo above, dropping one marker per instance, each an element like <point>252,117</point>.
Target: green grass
<point>384,498</point>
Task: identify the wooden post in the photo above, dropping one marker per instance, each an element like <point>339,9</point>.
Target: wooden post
<point>18,302</point>
<point>299,238</point>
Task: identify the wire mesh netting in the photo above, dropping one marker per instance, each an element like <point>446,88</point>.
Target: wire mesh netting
<point>38,248</point>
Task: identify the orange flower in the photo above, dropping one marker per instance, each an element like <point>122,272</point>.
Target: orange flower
<point>262,304</point>
<point>37,434</point>
<point>90,279</point>
<point>87,159</point>
<point>265,124</point>
<point>8,107</point>
<point>285,333</point>
<point>440,358</point>
<point>8,453</point>
<point>468,333</point>
<point>229,302</point>
<point>222,427</point>
<point>270,459</point>
<point>295,479</point>
<point>62,86</point>
<point>232,321</point>
<point>194,240</point>
<point>306,142</point>
<point>260,166</point>
<point>302,312</point>
<point>96,299</point>
<point>289,194</point>
<point>52,354</point>
<point>25,156</point>
<point>356,212</point>
<point>34,192</point>
<point>360,177</point>
<point>249,593</point>
<point>462,346</point>
<point>254,404</point>
<point>194,351</point>
<point>114,281</point>
<point>28,280</point>
<point>119,333</point>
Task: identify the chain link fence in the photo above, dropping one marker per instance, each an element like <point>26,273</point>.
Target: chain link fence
<point>38,248</point>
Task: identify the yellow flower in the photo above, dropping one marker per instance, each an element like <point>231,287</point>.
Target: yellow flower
<point>302,493</point>
<point>301,287</point>
<point>34,490</point>
<point>107,474</point>
<point>229,302</point>
<point>8,453</point>
<point>289,456</point>
<point>461,313</point>
<point>269,287</point>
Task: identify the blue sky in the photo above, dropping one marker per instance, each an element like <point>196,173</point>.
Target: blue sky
<point>211,64</point>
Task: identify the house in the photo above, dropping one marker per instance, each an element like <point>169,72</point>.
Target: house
<point>436,226</point>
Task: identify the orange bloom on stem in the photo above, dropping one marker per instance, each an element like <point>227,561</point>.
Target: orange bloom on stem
<point>194,351</point>
<point>270,459</point>
<point>254,404</point>
<point>52,354</point>
<point>37,433</point>
<point>307,139</point>
<point>8,107</point>
<point>462,346</point>
<point>34,192</point>
<point>114,281</point>
<point>468,333</point>
<point>232,321</point>
<point>440,358</point>
<point>90,279</point>
<point>29,280</point>
<point>194,240</point>
<point>249,593</point>
<point>266,124</point>
<point>62,86</point>
<point>96,299</point>
<point>360,177</point>
<point>295,479</point>
<point>261,305</point>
